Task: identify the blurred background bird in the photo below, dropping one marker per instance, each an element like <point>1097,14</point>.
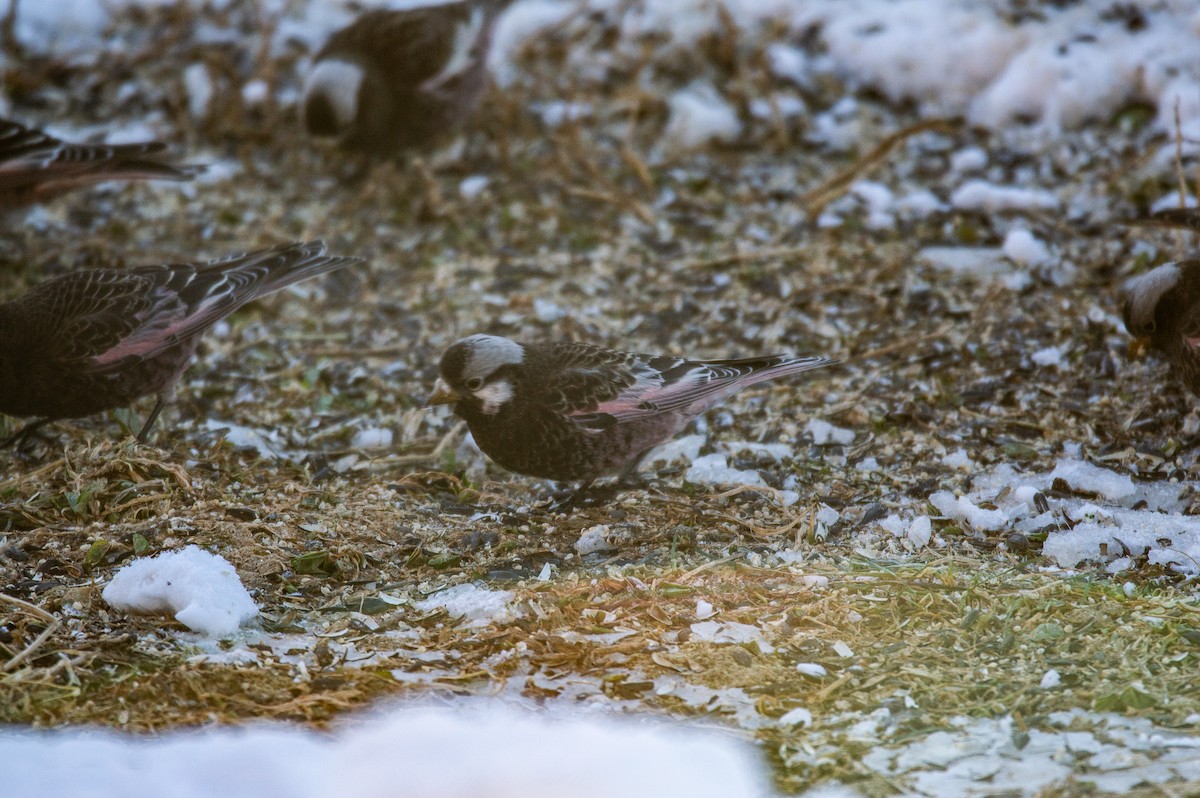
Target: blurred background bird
<point>394,81</point>
<point>576,412</point>
<point>1161,308</point>
<point>35,166</point>
<point>96,339</point>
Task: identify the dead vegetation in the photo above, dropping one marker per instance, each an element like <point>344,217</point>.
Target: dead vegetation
<point>572,237</point>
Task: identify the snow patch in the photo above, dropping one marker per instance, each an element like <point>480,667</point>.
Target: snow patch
<point>485,752</point>
<point>479,606</point>
<point>200,589</point>
<point>823,433</point>
<point>714,469</point>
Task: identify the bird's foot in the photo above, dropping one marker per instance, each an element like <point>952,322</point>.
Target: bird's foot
<point>22,437</point>
<point>589,493</point>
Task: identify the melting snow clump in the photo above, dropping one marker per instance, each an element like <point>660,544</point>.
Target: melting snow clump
<point>713,469</point>
<point>202,590</point>
<point>478,605</point>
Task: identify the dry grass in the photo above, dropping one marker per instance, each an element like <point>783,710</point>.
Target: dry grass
<point>339,544</point>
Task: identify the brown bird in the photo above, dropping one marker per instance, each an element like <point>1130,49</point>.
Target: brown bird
<point>96,339</point>
<point>401,80</point>
<point>35,166</point>
<point>569,411</point>
<point>1161,308</point>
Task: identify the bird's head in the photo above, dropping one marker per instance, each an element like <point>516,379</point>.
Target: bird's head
<point>331,97</point>
<point>477,374</point>
<point>1162,305</point>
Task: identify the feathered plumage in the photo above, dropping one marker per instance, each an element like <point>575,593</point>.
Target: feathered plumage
<point>95,339</point>
<point>35,166</point>
<point>1161,308</point>
<point>400,80</point>
<point>570,411</point>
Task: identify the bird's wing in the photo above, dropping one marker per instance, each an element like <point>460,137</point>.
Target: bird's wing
<point>668,385</point>
<point>410,46</point>
<point>577,380</point>
<point>184,300</point>
<point>92,312</point>
<point>27,154</point>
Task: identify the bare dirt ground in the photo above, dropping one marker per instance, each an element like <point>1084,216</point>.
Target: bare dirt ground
<point>600,231</point>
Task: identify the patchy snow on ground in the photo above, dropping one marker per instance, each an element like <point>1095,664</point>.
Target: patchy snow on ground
<point>1057,69</point>
<point>1107,517</point>
<point>478,605</point>
<point>993,756</point>
<point>200,589</point>
<point>480,751</point>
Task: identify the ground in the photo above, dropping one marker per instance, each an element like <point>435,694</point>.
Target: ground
<point>740,604</point>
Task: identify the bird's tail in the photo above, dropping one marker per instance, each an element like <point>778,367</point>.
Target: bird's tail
<point>769,367</point>
<point>265,271</point>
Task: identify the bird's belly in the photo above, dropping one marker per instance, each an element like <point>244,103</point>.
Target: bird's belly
<point>559,449</point>
<point>53,391</point>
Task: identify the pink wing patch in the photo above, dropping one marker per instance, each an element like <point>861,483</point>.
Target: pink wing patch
<point>163,327</point>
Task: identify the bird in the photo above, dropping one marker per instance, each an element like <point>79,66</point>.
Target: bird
<point>401,80</point>
<point>95,339</point>
<point>1180,218</point>
<point>575,412</point>
<point>35,166</point>
<point>1161,308</point>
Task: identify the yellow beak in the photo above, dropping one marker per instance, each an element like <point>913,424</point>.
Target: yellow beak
<point>1138,347</point>
<point>442,394</point>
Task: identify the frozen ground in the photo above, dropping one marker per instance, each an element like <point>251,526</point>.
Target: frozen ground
<point>962,563</point>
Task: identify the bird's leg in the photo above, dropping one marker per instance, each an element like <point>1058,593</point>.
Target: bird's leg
<point>159,403</point>
<point>629,478</point>
<point>566,501</point>
<point>19,437</point>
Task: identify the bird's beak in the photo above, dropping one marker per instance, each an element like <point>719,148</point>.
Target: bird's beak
<point>442,394</point>
<point>1138,347</point>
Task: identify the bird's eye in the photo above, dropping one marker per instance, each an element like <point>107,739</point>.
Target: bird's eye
<point>473,384</point>
<point>1149,327</point>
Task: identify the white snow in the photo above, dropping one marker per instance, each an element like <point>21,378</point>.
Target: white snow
<point>557,113</point>
<point>920,531</point>
<point>255,92</point>
<point>731,632</point>
<point>959,459</point>
<point>979,262</point>
<point>1104,525</point>
<point>471,187</point>
<point>1021,246</point>
<point>479,606</point>
<point>776,451</point>
<point>1050,680</point>
<point>823,433</point>
<point>788,62</point>
<point>812,669</point>
<point>796,717</point>
<point>547,312</point>
<point>1057,69</point>
<point>880,203</point>
<point>960,508</point>
<point>373,438</point>
<point>200,589</point>
<point>699,115</point>
<point>980,195</point>
<point>714,469</point>
<point>686,448</point>
<point>483,752</point>
<point>1050,356</point>
<point>199,87</point>
<point>1085,477</point>
<point>593,539</point>
<point>969,159</point>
